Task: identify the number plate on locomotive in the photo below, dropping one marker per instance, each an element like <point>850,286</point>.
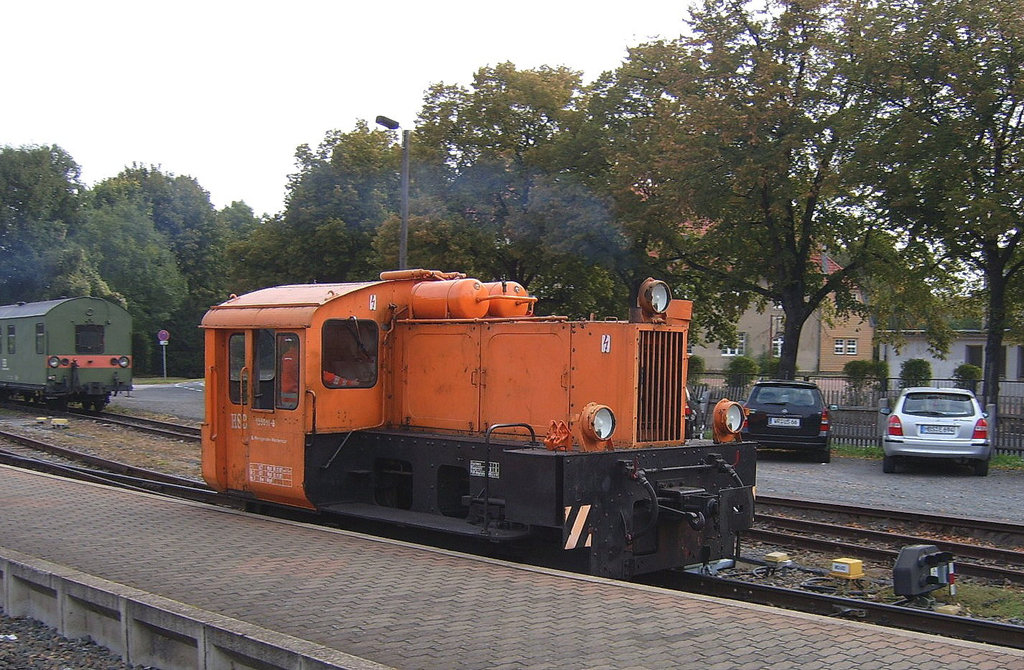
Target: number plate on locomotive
<point>476,469</point>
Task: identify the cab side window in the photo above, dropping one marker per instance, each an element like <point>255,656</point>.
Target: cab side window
<point>10,339</point>
<point>287,370</point>
<point>236,361</point>
<point>349,353</point>
<point>40,338</point>
<point>265,370</point>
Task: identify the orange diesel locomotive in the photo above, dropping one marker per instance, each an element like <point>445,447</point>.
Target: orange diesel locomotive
<point>432,400</point>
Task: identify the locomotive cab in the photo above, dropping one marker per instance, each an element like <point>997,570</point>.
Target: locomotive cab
<point>429,399</point>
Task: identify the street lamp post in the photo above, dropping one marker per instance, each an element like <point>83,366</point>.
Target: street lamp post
<point>403,236</point>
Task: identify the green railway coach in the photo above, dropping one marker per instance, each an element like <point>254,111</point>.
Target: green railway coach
<point>68,350</point>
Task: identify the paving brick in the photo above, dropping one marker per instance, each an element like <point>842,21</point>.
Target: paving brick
<point>411,607</point>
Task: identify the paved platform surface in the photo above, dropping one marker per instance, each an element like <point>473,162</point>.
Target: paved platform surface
<point>410,607</point>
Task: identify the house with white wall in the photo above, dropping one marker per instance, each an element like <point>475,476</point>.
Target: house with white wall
<point>968,347</point>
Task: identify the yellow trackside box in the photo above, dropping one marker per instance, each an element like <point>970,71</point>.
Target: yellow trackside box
<point>847,568</point>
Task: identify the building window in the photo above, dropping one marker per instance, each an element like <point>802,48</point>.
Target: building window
<point>844,347</point>
<point>777,346</point>
<point>974,355</point>
<point>740,349</point>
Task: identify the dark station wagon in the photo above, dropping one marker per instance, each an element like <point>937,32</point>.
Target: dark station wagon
<point>790,415</point>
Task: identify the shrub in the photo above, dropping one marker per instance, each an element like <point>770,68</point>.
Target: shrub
<point>694,369</point>
<point>967,376</point>
<point>915,372</point>
<point>740,371</point>
<point>862,376</point>
<point>768,365</point>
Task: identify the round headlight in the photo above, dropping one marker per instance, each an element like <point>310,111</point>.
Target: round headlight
<point>727,421</point>
<point>597,423</point>
<point>53,361</point>
<point>734,418</point>
<point>604,423</point>
<point>123,362</point>
<point>654,296</point>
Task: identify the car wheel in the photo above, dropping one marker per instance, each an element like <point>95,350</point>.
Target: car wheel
<point>889,464</point>
<point>981,468</point>
<point>825,456</point>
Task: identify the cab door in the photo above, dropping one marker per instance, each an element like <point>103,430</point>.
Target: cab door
<point>263,399</point>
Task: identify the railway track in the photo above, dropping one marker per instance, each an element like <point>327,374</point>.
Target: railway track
<point>73,464</point>
<point>152,426</point>
<point>142,424</point>
<point>907,618</point>
<point>990,562</point>
<point>992,549</point>
<point>991,532</point>
<point>25,453</point>
<point>838,531</point>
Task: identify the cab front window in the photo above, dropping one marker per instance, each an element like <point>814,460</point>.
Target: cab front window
<point>89,339</point>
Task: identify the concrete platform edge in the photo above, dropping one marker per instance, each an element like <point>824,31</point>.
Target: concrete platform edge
<point>147,629</point>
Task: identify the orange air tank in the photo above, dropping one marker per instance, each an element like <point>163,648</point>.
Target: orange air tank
<point>449,299</point>
<point>508,299</point>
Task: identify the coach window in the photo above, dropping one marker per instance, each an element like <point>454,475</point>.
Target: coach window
<point>349,353</point>
<point>264,370</point>
<point>10,339</point>
<point>89,339</point>
<point>287,370</point>
<point>236,361</point>
<point>40,338</point>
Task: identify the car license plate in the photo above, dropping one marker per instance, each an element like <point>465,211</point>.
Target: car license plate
<point>938,430</point>
<point>784,421</point>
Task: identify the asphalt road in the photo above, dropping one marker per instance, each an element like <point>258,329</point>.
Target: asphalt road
<point>931,489</point>
<point>183,399</point>
<point>940,488</point>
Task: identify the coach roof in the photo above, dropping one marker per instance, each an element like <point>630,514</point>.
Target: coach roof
<point>29,309</point>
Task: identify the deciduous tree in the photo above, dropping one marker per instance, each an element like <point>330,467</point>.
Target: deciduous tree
<point>952,75</point>
<point>737,164</point>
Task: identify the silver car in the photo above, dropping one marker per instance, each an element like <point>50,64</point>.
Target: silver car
<point>927,422</point>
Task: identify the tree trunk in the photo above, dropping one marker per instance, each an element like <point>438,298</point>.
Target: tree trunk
<point>796,315</point>
<point>996,324</point>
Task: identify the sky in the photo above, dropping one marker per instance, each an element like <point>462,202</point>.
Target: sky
<point>224,91</point>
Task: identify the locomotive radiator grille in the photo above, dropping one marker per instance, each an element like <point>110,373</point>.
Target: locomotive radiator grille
<point>660,391</point>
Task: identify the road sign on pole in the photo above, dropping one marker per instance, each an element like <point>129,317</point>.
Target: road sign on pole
<point>163,337</point>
